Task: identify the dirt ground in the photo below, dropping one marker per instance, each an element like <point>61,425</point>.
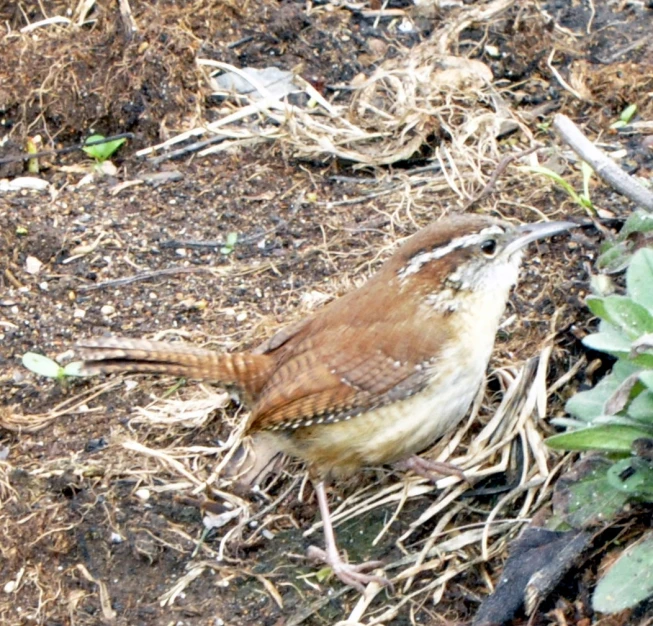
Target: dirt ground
<point>102,504</point>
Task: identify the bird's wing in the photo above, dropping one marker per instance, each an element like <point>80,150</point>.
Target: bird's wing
<point>320,382</point>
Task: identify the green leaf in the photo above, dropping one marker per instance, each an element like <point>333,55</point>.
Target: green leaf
<point>587,172</point>
<point>644,360</point>
<point>613,343</point>
<point>615,257</point>
<point>638,222</point>
<point>588,405</point>
<point>583,497</point>
<point>622,420</point>
<point>641,407</point>
<point>614,334</point>
<point>628,113</point>
<point>73,369</point>
<point>630,579</point>
<point>596,304</point>
<point>627,315</point>
<point>608,438</point>
<point>647,379</point>
<point>554,176</point>
<point>633,477</point>
<point>42,365</point>
<point>639,278</point>
<point>228,248</point>
<point>101,152</point>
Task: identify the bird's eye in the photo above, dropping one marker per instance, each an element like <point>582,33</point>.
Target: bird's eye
<point>489,247</point>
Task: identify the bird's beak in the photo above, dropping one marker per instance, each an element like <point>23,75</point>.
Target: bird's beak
<point>531,232</point>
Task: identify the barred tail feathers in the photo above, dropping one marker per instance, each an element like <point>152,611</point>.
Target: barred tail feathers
<point>115,354</point>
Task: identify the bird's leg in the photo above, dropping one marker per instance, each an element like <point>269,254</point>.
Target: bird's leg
<point>427,468</point>
<point>352,575</point>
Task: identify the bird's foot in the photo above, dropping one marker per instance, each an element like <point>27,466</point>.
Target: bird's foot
<point>352,575</point>
<point>429,469</point>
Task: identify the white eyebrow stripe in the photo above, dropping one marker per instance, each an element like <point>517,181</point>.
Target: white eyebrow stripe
<point>419,260</point>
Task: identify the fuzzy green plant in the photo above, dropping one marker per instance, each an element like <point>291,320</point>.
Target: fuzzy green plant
<point>614,419</point>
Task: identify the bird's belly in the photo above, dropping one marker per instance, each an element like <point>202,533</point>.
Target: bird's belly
<point>390,433</point>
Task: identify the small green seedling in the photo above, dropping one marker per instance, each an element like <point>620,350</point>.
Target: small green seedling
<point>582,199</point>
<point>230,244</point>
<point>102,151</point>
<point>625,118</point>
<point>43,366</point>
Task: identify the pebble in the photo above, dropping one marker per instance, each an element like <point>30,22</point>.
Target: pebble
<point>142,494</point>
<point>10,586</point>
<point>406,26</point>
<point>493,51</point>
<point>32,265</point>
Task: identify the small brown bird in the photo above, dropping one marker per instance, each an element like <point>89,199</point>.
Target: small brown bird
<point>375,376</point>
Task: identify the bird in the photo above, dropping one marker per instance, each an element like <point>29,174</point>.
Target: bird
<point>373,377</point>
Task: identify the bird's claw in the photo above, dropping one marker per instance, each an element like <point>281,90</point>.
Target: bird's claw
<point>430,469</point>
<point>352,575</point>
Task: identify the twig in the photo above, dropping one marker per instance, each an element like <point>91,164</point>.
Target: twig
<point>240,42</point>
<point>192,147</point>
<point>145,276</point>
<point>603,165</point>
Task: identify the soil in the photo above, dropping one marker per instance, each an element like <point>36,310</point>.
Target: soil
<point>93,531</point>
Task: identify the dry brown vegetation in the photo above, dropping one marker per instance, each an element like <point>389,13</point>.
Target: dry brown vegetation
<point>104,484</point>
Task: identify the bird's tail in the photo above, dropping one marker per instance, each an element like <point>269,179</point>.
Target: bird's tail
<point>106,355</point>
